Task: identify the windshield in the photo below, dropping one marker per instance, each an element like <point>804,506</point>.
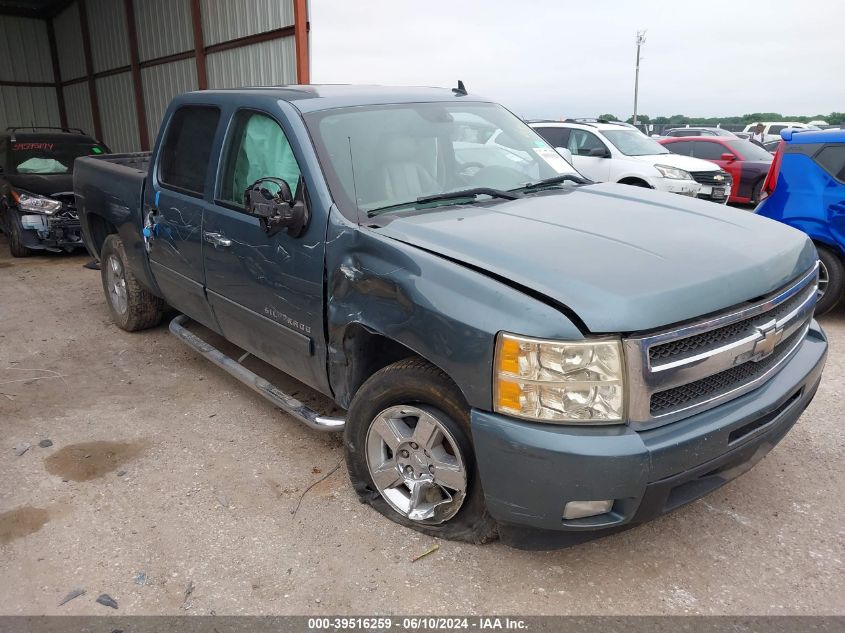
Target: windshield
<point>387,156</point>
<point>633,143</point>
<point>49,157</point>
<point>749,151</point>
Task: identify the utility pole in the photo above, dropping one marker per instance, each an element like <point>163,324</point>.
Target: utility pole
<point>640,42</point>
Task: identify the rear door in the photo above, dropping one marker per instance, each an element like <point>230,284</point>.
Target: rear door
<point>712,151</point>
<point>266,291</point>
<point>175,206</point>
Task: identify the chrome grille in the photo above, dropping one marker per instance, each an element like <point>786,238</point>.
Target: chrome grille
<point>693,367</point>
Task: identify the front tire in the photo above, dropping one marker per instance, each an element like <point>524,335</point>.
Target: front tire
<point>16,242</point>
<point>132,307</point>
<point>831,279</point>
<point>410,456</point>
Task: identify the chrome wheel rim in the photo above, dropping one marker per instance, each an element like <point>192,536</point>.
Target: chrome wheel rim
<point>824,279</point>
<point>416,464</point>
<point>116,284</point>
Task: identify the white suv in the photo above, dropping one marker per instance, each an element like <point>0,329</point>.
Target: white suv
<point>772,129</point>
<point>611,152</point>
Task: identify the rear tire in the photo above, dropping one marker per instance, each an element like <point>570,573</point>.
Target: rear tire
<point>831,267</point>
<point>16,243</point>
<point>132,306</point>
<point>755,193</point>
<point>427,395</point>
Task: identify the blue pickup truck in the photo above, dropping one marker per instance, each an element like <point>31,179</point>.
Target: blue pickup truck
<point>519,352</point>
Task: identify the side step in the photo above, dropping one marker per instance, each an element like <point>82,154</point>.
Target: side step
<point>285,402</point>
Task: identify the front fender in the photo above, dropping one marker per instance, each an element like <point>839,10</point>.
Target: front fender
<point>445,312</point>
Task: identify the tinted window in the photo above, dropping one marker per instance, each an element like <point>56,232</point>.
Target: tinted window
<point>708,150</point>
<point>832,160</point>
<point>775,129</point>
<point>556,136</point>
<point>750,151</point>
<point>684,133</point>
<point>187,148</point>
<point>681,147</point>
<point>48,155</point>
<point>257,148</point>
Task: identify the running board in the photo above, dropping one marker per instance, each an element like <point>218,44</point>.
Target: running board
<point>285,402</point>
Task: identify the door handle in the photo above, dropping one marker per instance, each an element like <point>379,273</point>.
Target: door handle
<point>217,239</point>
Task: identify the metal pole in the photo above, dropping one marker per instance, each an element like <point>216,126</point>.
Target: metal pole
<point>640,42</point>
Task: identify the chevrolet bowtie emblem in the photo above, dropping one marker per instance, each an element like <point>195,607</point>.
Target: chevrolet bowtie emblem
<point>770,335</point>
<point>718,178</point>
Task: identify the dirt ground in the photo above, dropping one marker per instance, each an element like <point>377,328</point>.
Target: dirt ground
<point>174,489</point>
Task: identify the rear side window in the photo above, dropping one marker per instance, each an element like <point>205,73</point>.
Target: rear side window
<point>555,136</point>
<point>832,160</point>
<point>709,150</point>
<point>681,147</point>
<point>187,148</point>
<point>775,129</point>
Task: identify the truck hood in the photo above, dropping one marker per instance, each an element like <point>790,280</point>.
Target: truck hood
<point>622,258</point>
<point>687,163</point>
<point>44,185</point>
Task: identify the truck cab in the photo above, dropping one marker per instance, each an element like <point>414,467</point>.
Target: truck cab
<point>518,351</point>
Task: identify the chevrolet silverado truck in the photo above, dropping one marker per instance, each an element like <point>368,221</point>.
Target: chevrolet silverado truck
<point>517,351</point>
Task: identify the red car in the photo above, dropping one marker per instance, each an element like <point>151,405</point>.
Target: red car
<point>746,162</point>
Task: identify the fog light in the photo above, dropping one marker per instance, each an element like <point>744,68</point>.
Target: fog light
<point>581,509</point>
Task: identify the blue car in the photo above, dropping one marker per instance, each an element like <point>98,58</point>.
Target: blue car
<point>806,187</point>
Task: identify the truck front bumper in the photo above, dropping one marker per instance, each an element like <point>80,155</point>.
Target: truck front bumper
<point>530,471</point>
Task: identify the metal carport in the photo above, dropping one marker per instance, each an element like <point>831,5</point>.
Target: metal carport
<point>110,67</point>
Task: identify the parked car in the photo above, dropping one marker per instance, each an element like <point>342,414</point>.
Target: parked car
<point>609,152</point>
<point>771,146</point>
<point>747,163</point>
<point>772,129</point>
<point>518,351</point>
<point>37,209</point>
<point>698,131</point>
<point>806,190</point>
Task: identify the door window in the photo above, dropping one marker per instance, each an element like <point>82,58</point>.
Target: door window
<point>681,147</point>
<point>776,129</point>
<point>257,148</point>
<point>187,148</point>
<point>555,136</point>
<point>581,142</point>
<point>709,150</point>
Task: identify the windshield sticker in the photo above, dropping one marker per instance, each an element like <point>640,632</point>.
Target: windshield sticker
<point>25,146</point>
<point>553,159</point>
<point>96,150</point>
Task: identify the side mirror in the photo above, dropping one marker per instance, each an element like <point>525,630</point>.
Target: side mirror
<point>728,157</point>
<point>599,152</point>
<point>280,211</point>
<point>567,155</point>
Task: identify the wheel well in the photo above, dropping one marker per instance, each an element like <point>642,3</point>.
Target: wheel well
<point>365,352</point>
<point>637,182</point>
<point>100,229</point>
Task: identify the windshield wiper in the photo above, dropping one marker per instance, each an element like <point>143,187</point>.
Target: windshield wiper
<point>449,195</point>
<point>474,192</point>
<point>554,180</point>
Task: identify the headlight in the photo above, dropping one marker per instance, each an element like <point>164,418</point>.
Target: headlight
<point>558,381</point>
<point>36,204</point>
<point>673,172</point>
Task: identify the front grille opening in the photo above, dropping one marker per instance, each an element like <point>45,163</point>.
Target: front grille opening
<point>702,390</point>
<point>707,341</point>
<point>743,431</point>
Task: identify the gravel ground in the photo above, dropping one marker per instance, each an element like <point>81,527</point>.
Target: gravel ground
<point>172,488</point>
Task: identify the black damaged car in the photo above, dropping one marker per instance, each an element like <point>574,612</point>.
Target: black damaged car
<point>37,209</point>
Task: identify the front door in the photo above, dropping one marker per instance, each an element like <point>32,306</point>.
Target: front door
<point>581,143</point>
<point>266,291</point>
<point>174,207</point>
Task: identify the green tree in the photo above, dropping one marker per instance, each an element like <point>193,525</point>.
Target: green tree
<point>608,117</point>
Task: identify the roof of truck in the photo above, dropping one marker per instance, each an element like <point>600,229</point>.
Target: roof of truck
<point>314,97</point>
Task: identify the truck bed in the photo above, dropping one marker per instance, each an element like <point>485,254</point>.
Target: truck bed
<point>109,191</point>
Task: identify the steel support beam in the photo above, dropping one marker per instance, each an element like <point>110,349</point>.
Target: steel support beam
<point>300,23</point>
<point>199,45</point>
<point>135,66</point>
<point>89,71</point>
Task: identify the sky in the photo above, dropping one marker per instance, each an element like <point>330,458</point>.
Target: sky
<point>555,58</point>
